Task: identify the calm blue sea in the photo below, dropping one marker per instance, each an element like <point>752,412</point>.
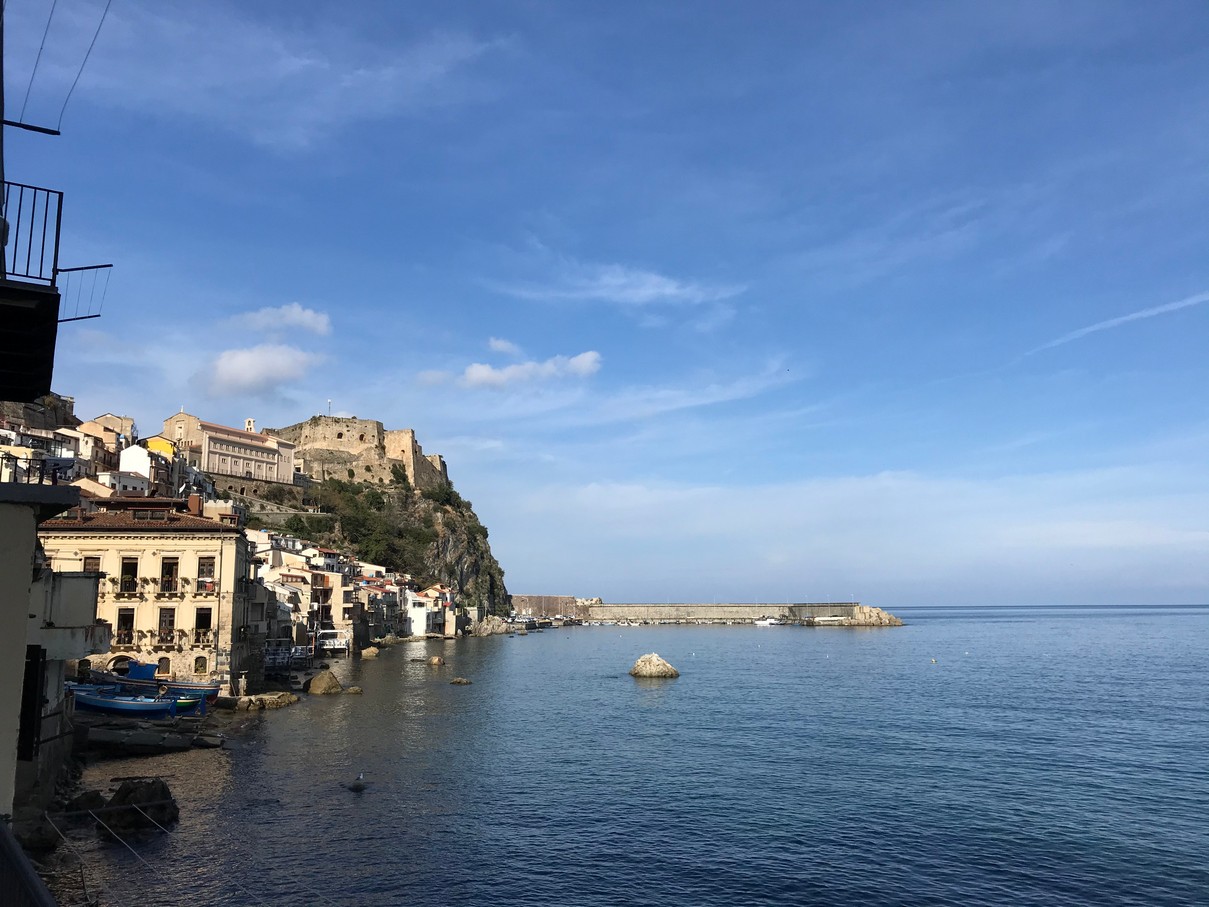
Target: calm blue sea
<point>1004,756</point>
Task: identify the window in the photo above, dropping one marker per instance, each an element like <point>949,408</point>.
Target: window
<point>92,565</point>
<point>163,666</point>
<point>130,575</point>
<point>360,437</point>
<point>169,574</point>
<point>348,613</point>
<point>339,435</point>
<point>167,627</point>
<point>205,574</point>
<point>203,626</point>
<point>199,665</point>
<point>124,635</point>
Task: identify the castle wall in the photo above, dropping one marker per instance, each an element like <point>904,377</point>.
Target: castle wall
<point>336,447</point>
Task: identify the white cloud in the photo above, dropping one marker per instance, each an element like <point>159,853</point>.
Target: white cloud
<point>1152,312</point>
<point>284,317</point>
<point>580,281</point>
<point>500,345</point>
<point>258,370</point>
<point>480,374</point>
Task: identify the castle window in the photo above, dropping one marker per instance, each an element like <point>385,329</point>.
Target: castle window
<point>360,437</point>
<point>339,435</point>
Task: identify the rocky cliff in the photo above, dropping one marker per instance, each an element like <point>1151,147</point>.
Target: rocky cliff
<point>433,534</point>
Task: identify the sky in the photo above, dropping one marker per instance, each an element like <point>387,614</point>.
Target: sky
<point>903,302</point>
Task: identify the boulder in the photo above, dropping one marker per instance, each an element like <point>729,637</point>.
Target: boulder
<point>460,681</point>
<point>491,626</point>
<point>651,665</point>
<point>148,802</point>
<point>355,690</point>
<point>89,799</point>
<point>369,652</point>
<point>436,661</point>
<point>323,684</point>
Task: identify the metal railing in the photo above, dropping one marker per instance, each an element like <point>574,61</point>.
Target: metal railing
<point>34,218</point>
<point>34,470</point>
<point>168,584</point>
<point>166,636</point>
<point>203,637</point>
<point>123,637</point>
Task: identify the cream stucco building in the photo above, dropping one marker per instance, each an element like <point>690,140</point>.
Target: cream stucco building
<point>226,451</point>
<point>178,587</point>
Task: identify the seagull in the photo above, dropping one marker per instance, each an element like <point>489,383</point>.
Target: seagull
<point>356,786</point>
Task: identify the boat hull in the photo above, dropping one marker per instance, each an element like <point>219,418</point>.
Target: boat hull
<point>153,687</point>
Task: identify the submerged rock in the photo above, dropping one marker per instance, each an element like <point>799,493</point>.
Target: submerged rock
<point>324,683</point>
<point>354,690</point>
<point>460,681</point>
<point>436,661</point>
<point>652,665</point>
<point>369,652</point>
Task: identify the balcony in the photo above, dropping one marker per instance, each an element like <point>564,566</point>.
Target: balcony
<point>124,636</point>
<point>206,586</point>
<point>203,638</point>
<point>29,300</point>
<point>165,636</point>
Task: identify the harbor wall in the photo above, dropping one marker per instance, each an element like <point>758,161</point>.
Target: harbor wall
<point>718,612</point>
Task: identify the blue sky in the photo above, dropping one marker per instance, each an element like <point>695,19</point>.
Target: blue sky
<point>906,302</point>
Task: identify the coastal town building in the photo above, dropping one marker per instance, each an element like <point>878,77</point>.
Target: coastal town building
<point>240,454</point>
<point>178,589</point>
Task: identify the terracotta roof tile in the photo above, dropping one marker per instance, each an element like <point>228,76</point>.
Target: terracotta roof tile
<point>124,520</point>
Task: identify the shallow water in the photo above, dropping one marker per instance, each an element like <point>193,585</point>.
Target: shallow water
<point>1046,756</point>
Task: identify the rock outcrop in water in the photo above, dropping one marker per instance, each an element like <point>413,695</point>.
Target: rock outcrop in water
<point>866,616</point>
<point>323,684</point>
<point>652,665</point>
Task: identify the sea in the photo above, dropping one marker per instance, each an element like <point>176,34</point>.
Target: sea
<point>975,756</point>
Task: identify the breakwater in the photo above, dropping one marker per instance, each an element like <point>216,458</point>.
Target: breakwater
<point>838,613</point>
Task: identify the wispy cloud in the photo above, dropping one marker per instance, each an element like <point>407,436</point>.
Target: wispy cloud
<point>1111,323</point>
<point>480,374</point>
<point>277,86</point>
<point>620,284</point>
<point>285,317</point>
<point>258,371</point>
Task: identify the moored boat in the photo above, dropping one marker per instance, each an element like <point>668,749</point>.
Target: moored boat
<point>141,679</point>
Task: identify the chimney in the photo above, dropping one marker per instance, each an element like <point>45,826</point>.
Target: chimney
<point>195,504</point>
<point>249,425</point>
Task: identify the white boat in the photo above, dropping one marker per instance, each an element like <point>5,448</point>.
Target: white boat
<point>768,622</point>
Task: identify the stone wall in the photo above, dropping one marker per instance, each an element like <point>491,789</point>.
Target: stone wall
<point>844,613</point>
<point>361,450</point>
<point>544,605</point>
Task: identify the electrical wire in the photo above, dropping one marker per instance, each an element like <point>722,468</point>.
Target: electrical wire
<point>37,59</point>
<point>83,63</point>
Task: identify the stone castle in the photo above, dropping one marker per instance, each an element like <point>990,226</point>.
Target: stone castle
<point>362,450</point>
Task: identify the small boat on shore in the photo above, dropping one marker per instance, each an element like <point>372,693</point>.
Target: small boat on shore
<point>141,680</point>
<point>132,706</point>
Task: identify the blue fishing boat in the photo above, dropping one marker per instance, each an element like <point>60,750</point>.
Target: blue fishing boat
<point>141,679</point>
<point>111,700</point>
<point>126,706</point>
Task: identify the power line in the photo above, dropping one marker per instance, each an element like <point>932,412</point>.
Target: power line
<point>85,62</point>
<point>38,59</point>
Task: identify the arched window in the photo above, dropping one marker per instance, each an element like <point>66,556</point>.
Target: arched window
<point>360,437</point>
<point>339,435</point>
<point>164,666</point>
<point>199,665</point>
<point>120,665</point>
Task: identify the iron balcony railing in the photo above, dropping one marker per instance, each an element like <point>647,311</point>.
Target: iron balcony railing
<point>36,470</point>
<point>34,217</point>
<point>124,637</point>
